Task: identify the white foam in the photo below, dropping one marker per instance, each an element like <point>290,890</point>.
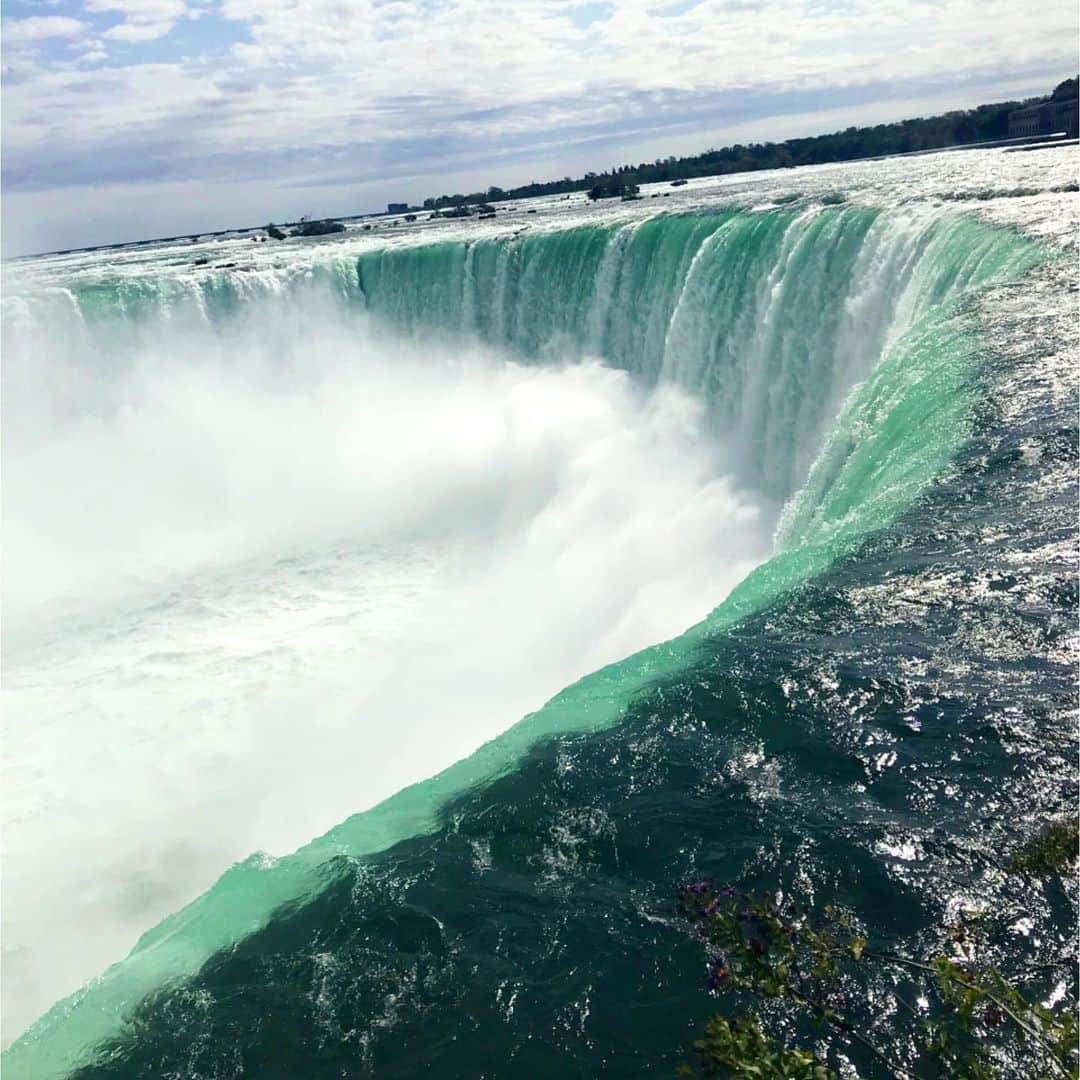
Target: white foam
<point>260,578</point>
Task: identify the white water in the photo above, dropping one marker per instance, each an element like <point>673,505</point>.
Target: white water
<point>256,582</point>
<point>260,581</point>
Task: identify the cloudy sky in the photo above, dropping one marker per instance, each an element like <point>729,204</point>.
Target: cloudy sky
<point>131,118</point>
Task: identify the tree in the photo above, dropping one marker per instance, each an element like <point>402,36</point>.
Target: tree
<point>1067,90</point>
<point>985,123</point>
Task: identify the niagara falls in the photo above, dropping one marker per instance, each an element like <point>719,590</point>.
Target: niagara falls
<point>621,625</point>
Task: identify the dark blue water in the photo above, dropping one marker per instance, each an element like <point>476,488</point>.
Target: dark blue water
<point>880,738</point>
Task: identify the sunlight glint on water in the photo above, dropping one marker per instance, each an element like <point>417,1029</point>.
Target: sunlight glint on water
<point>347,500</point>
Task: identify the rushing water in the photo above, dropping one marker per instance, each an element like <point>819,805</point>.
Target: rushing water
<point>288,534</point>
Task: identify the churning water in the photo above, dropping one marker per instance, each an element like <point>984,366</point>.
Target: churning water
<point>289,528</point>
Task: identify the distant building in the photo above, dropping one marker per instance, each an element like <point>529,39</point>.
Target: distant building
<point>397,207</point>
<point>1049,118</point>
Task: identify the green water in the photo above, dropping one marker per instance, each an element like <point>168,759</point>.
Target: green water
<point>834,352</point>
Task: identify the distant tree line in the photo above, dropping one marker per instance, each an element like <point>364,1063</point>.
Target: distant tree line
<point>983,124</point>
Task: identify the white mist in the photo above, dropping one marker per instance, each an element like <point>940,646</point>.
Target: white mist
<point>258,580</point>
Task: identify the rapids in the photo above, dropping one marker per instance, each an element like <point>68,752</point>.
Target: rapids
<point>291,536</point>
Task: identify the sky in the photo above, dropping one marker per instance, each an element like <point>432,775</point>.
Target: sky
<point>127,119</point>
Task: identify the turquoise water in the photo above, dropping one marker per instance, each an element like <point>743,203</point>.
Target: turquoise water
<point>839,358</point>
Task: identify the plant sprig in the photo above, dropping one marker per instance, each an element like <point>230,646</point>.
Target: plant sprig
<point>775,950</point>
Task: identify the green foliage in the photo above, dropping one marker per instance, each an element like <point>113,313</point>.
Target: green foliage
<point>1067,90</point>
<point>983,124</point>
<point>1052,851</point>
<point>759,946</point>
<point>739,1048</point>
<point>274,232</point>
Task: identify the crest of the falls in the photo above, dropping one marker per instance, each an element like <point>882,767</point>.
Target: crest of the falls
<point>824,355</point>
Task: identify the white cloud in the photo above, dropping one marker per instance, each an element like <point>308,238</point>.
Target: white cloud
<point>41,27</point>
<point>137,31</point>
<point>144,20</point>
<point>346,87</point>
<point>335,73</point>
<point>508,63</point>
<point>141,10</point>
<point>95,54</point>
